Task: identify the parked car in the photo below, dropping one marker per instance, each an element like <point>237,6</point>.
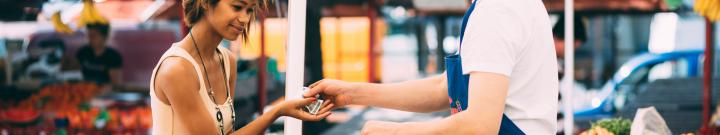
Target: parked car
<point>634,75</point>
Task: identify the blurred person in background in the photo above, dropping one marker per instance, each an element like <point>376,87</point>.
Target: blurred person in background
<point>559,39</point>
<point>99,63</point>
<point>191,85</point>
<point>50,61</point>
<point>45,62</point>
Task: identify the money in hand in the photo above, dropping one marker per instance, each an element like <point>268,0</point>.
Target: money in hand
<point>314,107</point>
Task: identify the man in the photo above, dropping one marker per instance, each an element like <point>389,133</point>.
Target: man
<point>99,63</point>
<point>504,81</point>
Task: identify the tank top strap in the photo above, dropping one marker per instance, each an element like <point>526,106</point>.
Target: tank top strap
<point>176,51</point>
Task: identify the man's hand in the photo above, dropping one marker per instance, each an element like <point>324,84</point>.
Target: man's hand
<point>380,128</point>
<point>333,90</point>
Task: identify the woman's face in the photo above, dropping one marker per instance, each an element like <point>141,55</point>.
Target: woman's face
<point>230,17</point>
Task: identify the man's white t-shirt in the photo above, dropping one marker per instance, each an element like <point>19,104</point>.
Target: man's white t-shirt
<point>514,38</point>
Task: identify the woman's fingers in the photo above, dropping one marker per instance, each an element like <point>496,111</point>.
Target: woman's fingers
<point>326,102</point>
<point>322,115</point>
<point>327,105</point>
<point>303,115</point>
<point>326,108</point>
<point>306,116</point>
<point>309,117</point>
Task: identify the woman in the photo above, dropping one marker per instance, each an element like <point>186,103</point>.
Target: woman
<point>192,83</point>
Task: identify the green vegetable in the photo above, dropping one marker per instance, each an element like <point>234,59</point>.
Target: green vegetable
<point>673,4</point>
<point>617,126</point>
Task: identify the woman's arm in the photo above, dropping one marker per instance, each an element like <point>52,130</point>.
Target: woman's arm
<point>258,126</point>
<point>291,108</point>
<point>177,81</point>
<point>115,76</point>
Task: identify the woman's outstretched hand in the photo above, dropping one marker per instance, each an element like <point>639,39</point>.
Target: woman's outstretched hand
<point>294,108</point>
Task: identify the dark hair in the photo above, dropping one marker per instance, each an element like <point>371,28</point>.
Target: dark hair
<point>579,27</point>
<point>194,10</point>
<point>103,28</point>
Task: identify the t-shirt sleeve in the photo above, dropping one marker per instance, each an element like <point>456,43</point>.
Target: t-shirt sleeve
<point>116,60</point>
<point>79,55</point>
<point>493,38</point>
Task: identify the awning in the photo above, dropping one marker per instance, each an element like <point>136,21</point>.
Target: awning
<point>609,6</point>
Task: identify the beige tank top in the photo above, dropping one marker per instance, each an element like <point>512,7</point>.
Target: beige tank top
<point>162,114</point>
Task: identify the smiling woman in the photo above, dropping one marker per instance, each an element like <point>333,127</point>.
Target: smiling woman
<point>191,85</point>
<point>194,10</point>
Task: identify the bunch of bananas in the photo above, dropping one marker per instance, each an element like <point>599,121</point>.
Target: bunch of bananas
<point>708,8</point>
<point>60,27</point>
<point>90,15</point>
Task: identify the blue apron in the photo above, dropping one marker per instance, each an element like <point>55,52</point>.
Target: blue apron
<point>458,84</point>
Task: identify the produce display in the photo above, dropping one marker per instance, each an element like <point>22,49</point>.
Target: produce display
<point>66,109</point>
<point>615,126</point>
<point>90,15</point>
<point>597,131</point>
<point>60,27</point>
<point>61,97</point>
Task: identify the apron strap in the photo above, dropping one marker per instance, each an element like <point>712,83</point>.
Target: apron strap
<point>465,19</point>
<point>458,82</point>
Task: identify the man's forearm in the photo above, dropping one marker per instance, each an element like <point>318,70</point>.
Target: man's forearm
<point>115,76</point>
<point>424,95</point>
<point>462,123</point>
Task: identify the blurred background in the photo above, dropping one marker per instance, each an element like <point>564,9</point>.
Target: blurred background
<point>629,54</point>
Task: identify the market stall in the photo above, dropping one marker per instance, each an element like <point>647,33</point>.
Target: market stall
<point>706,8</point>
<point>43,93</point>
<point>74,108</point>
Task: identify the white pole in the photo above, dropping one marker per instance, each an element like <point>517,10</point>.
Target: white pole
<point>567,82</point>
<point>295,60</point>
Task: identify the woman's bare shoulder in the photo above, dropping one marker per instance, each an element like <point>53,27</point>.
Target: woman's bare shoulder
<point>177,74</point>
